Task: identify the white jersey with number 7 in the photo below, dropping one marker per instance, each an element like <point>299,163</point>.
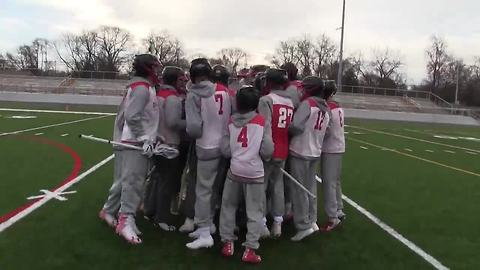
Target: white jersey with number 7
<point>215,111</point>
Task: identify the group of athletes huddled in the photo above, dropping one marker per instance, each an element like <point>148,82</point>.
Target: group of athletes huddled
<point>247,151</point>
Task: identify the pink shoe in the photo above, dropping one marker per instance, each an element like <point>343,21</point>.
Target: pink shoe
<point>108,218</point>
<point>126,230</point>
<point>227,250</point>
<point>249,256</point>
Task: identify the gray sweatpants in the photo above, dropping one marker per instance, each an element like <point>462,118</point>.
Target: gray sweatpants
<point>332,189</point>
<point>112,205</point>
<point>233,194</point>
<point>304,206</point>
<point>274,188</point>
<point>206,173</point>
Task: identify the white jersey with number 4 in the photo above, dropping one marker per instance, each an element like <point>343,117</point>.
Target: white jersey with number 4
<point>215,111</point>
<point>309,143</point>
<point>245,143</point>
<point>334,142</point>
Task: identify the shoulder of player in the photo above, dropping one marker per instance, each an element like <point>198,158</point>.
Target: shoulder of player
<point>333,105</point>
<point>166,93</point>
<point>258,120</point>
<point>138,85</point>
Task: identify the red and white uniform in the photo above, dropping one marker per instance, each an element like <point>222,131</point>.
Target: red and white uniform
<point>215,111</point>
<point>282,115</point>
<point>171,136</point>
<point>147,115</point>
<point>245,143</point>
<point>335,137</point>
<point>309,143</point>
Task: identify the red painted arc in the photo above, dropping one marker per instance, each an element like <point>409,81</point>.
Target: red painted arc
<point>73,174</point>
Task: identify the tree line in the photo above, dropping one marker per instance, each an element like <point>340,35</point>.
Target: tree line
<point>109,49</point>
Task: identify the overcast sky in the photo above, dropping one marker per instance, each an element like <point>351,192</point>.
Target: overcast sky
<point>205,26</point>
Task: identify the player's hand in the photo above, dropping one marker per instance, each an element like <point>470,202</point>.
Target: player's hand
<point>148,148</point>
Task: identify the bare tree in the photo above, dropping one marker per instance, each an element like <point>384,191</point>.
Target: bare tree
<point>79,52</point>
<point>231,57</point>
<point>437,58</point>
<point>386,65</point>
<point>475,68</point>
<point>285,52</point>
<point>325,57</point>
<point>167,47</point>
<point>305,53</point>
<point>113,45</point>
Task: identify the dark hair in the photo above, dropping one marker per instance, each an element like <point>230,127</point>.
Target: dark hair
<point>247,99</point>
<point>220,74</point>
<point>200,67</point>
<point>330,89</point>
<point>291,69</point>
<point>170,75</point>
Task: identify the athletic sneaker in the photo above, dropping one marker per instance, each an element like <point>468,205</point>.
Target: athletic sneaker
<point>265,233</point>
<point>276,229</point>
<point>201,242</point>
<point>342,217</point>
<point>165,227</point>
<point>196,233</point>
<point>108,218</point>
<point>249,256</point>
<point>188,226</point>
<point>315,227</point>
<point>330,225</point>
<point>125,229</point>
<point>135,228</point>
<point>227,250</point>
<point>302,234</point>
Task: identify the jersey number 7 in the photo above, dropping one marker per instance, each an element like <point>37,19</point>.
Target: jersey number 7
<point>219,98</point>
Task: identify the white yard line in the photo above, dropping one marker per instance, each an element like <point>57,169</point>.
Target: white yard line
<point>427,257</point>
<point>448,151</point>
<point>53,125</point>
<point>45,199</point>
<point>408,150</point>
<point>63,135</point>
<point>39,133</point>
<point>420,252</point>
<point>364,148</point>
<point>416,139</point>
<point>471,153</point>
<point>50,111</point>
<point>430,151</point>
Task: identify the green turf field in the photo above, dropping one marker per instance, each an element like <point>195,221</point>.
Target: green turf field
<point>427,188</point>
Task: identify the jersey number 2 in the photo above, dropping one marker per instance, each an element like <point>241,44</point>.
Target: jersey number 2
<point>285,117</point>
<point>242,137</point>
<point>219,98</point>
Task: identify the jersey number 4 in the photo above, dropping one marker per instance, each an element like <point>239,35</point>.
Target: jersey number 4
<point>219,98</point>
<point>242,137</point>
<point>285,117</point>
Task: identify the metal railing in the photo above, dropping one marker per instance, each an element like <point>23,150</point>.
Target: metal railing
<point>61,90</point>
<point>369,90</point>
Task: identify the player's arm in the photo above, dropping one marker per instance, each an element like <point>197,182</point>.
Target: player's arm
<point>193,116</point>
<point>300,118</point>
<point>173,117</point>
<point>267,146</point>
<point>134,112</point>
<point>265,106</point>
<point>225,144</point>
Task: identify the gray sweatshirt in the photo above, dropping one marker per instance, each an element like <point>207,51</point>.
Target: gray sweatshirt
<point>171,124</point>
<point>137,116</point>
<point>197,121</point>
<point>302,114</point>
<point>266,147</point>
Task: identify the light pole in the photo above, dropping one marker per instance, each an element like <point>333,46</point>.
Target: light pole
<point>457,82</point>
<point>340,60</point>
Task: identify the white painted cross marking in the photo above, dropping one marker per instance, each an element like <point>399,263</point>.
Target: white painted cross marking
<point>63,135</point>
<point>430,151</point>
<point>448,151</point>
<point>39,133</point>
<point>408,150</point>
<point>363,147</point>
<point>52,195</point>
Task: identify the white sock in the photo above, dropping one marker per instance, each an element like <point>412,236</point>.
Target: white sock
<point>278,219</point>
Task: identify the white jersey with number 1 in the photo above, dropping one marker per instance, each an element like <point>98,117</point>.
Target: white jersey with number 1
<point>334,142</point>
